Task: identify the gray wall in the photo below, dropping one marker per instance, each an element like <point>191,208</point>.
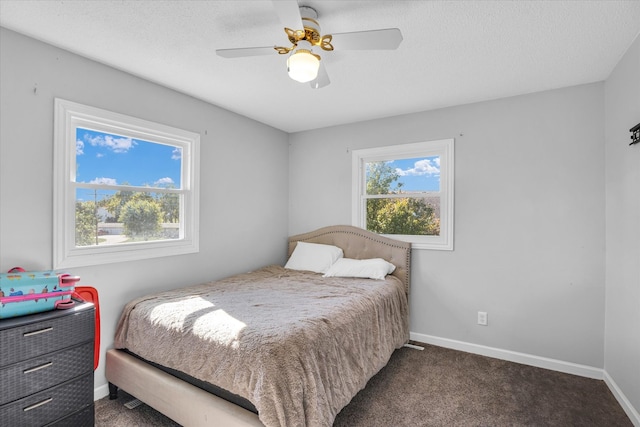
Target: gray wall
<point>529,218</point>
<point>622,334</point>
<point>244,181</point>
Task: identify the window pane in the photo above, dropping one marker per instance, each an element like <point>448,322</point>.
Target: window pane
<point>124,188</point>
<point>406,191</point>
<point>415,175</point>
<point>419,216</point>
<point>104,158</point>
<point>109,217</point>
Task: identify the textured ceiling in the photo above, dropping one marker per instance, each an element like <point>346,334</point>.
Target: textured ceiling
<point>453,52</point>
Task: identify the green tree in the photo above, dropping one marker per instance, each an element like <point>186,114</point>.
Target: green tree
<point>86,221</point>
<point>141,217</point>
<point>410,215</point>
<point>170,205</point>
<point>380,176</point>
<point>405,216</point>
<point>115,202</point>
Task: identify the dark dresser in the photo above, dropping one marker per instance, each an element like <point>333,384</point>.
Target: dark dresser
<point>46,368</point>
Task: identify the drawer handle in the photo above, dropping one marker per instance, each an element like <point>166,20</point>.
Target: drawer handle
<point>41,331</point>
<point>37,368</point>
<point>36,405</point>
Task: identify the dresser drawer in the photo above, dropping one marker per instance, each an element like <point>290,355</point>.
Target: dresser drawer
<point>49,405</point>
<point>27,377</point>
<point>37,338</point>
<point>83,418</point>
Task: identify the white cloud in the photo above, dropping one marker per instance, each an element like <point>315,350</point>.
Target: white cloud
<point>422,167</point>
<point>163,181</point>
<point>177,154</point>
<point>117,145</point>
<point>107,181</point>
<point>79,148</point>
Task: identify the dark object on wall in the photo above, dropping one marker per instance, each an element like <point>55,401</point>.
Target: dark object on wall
<point>635,134</point>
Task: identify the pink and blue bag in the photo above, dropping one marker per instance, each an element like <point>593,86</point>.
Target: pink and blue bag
<point>28,292</point>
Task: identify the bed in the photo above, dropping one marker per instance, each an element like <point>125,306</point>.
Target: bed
<point>288,346</point>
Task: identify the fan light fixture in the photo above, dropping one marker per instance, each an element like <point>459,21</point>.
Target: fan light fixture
<point>303,65</point>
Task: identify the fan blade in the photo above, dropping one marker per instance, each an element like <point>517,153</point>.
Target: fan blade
<point>289,13</point>
<point>387,39</point>
<point>245,51</point>
<point>322,79</point>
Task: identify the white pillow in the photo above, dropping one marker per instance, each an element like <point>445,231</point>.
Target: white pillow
<point>313,257</point>
<point>374,268</point>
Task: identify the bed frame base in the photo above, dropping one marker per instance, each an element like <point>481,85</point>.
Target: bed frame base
<point>184,403</point>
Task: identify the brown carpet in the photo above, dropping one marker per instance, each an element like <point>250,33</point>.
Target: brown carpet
<point>442,387</point>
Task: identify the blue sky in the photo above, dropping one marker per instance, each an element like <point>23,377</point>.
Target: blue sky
<point>110,159</point>
<point>418,174</point>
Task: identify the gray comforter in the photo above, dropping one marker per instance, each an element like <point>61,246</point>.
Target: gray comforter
<point>295,344</point>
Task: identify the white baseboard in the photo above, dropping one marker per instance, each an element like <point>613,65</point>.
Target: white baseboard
<point>633,415</point>
<point>512,356</point>
<point>537,361</point>
<point>100,392</point>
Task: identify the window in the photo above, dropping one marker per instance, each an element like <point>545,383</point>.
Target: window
<point>124,188</point>
<point>406,192</point>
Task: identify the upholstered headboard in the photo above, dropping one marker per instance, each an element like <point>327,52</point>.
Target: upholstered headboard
<point>358,243</point>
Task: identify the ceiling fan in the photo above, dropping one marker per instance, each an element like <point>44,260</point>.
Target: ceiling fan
<point>308,45</point>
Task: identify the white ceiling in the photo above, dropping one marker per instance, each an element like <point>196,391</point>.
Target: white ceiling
<point>453,52</point>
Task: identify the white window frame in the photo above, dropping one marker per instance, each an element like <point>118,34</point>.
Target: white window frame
<point>443,148</point>
<point>70,115</point>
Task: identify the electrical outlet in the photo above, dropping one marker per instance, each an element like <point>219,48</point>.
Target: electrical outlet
<point>482,318</point>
